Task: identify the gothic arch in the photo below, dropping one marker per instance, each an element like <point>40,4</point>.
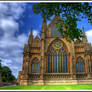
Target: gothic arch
<point>34,58</point>
<point>67,44</point>
<point>80,65</point>
<point>52,23</point>
<point>57,57</point>
<point>35,65</point>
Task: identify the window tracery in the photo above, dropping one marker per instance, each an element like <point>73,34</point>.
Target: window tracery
<point>55,32</point>
<point>35,66</point>
<point>57,57</point>
<point>80,65</point>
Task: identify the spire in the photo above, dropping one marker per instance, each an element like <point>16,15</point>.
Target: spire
<point>37,37</point>
<point>84,39</point>
<point>83,31</point>
<point>30,37</point>
<point>43,30</point>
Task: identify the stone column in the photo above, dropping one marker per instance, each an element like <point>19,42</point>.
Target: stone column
<point>71,65</point>
<point>43,31</point>
<point>74,68</point>
<point>42,58</point>
<point>89,66</point>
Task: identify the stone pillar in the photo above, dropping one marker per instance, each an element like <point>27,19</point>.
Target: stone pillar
<point>71,65</point>
<point>74,68</point>
<point>43,30</point>
<point>88,68</point>
<point>42,58</point>
<point>42,62</point>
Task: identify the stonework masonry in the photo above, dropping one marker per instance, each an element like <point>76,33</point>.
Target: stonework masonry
<point>52,59</point>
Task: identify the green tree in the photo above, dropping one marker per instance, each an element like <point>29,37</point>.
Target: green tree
<point>6,74</point>
<point>0,66</point>
<point>70,13</point>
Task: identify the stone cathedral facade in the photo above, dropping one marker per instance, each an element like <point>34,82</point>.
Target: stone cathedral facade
<point>52,59</point>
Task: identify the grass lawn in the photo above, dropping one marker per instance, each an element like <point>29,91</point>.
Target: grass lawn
<point>49,87</point>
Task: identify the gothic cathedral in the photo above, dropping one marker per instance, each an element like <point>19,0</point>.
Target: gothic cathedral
<point>53,60</point>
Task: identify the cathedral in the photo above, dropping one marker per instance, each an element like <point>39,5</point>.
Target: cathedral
<point>52,60</point>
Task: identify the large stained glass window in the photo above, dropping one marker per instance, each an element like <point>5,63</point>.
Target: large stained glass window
<point>79,65</point>
<point>35,66</point>
<point>57,57</point>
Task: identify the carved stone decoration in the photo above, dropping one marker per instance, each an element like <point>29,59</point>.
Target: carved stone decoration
<point>58,44</point>
<point>51,59</point>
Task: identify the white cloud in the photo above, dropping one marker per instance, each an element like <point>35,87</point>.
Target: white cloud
<point>22,39</point>
<point>89,36</point>
<point>8,24</point>
<point>11,10</point>
<point>35,32</point>
<point>11,46</point>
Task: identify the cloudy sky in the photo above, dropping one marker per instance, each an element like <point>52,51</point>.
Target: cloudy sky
<point>16,20</point>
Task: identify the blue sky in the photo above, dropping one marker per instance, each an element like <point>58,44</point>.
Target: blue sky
<point>16,20</point>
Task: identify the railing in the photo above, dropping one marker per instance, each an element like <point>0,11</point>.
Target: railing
<point>34,76</point>
<point>57,76</point>
<point>81,76</point>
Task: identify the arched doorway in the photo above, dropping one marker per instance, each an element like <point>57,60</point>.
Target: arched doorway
<point>57,57</point>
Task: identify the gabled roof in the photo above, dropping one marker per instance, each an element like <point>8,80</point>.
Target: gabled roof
<point>37,37</point>
<point>36,42</point>
<point>54,20</point>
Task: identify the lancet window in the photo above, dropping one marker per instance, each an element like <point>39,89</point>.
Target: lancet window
<point>35,66</point>
<point>80,65</point>
<point>55,32</point>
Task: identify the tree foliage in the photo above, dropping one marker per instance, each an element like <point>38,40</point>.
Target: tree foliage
<point>70,13</point>
<point>6,74</point>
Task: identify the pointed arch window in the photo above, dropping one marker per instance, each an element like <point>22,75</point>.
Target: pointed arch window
<point>80,65</point>
<point>35,66</point>
<point>55,32</point>
<point>57,57</point>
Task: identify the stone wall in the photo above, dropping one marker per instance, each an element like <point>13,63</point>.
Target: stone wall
<point>54,82</point>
